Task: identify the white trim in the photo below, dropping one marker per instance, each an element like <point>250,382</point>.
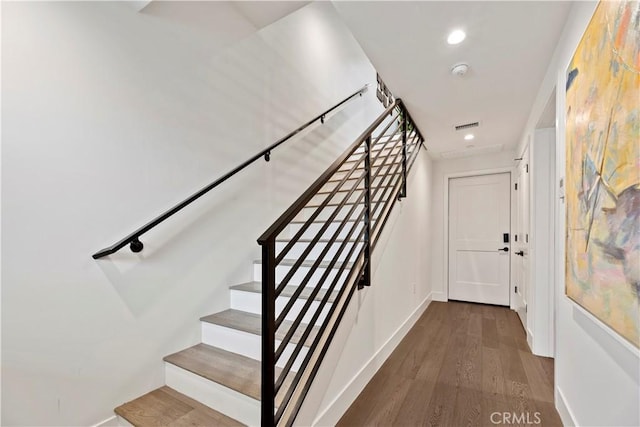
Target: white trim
<point>445,252</point>
<point>529,338</point>
<point>439,296</point>
<point>112,421</point>
<point>339,405</point>
<point>566,415</point>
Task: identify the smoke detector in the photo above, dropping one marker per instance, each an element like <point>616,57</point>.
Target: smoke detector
<point>460,69</point>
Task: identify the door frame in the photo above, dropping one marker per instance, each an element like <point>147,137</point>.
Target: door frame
<point>481,172</point>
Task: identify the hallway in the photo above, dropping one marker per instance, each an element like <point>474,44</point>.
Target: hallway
<point>461,364</point>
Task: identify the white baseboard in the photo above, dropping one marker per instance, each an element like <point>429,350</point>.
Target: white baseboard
<point>339,405</point>
<point>567,417</point>
<point>112,421</point>
<point>439,296</point>
<point>530,339</point>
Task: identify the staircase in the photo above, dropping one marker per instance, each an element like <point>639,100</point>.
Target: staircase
<point>315,256</point>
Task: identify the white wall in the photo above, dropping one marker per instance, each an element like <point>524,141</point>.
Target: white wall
<point>442,168</point>
<point>112,116</point>
<point>379,316</point>
<point>597,374</point>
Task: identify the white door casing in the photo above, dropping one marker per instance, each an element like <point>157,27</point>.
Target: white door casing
<point>521,240</point>
<point>479,216</point>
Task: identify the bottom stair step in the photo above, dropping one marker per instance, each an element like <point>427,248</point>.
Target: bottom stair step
<point>167,407</point>
<point>232,370</point>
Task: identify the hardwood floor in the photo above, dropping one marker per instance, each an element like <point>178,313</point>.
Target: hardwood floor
<point>462,364</point>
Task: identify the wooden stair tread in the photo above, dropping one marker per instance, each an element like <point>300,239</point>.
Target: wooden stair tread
<point>167,407</point>
<point>288,291</point>
<point>308,263</point>
<point>252,323</point>
<point>322,221</point>
<point>334,204</point>
<point>376,149</point>
<point>355,179</point>
<point>338,240</point>
<point>357,191</point>
<point>382,145</point>
<point>375,163</point>
<point>232,370</point>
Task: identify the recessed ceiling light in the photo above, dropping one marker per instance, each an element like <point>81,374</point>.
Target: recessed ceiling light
<point>456,36</point>
<point>469,137</point>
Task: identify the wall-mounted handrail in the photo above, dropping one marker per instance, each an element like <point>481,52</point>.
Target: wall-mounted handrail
<point>133,239</point>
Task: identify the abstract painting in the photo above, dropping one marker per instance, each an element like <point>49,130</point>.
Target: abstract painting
<point>603,169</point>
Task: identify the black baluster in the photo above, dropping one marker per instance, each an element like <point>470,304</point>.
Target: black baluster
<point>365,279</point>
<point>403,192</point>
<point>268,332</point>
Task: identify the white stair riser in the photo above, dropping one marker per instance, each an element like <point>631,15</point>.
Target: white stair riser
<point>356,196</point>
<point>377,150</point>
<point>378,158</point>
<point>223,399</point>
<point>347,185</point>
<point>300,274</point>
<point>315,227</point>
<point>326,213</point>
<point>393,146</point>
<point>298,249</point>
<point>246,344</point>
<point>375,170</point>
<point>252,303</point>
<point>378,181</point>
<point>122,422</point>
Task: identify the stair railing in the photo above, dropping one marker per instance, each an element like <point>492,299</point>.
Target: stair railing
<point>133,239</point>
<point>336,224</point>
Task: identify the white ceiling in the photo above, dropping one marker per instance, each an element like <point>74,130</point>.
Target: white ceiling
<point>508,47</point>
<point>218,23</point>
<point>263,13</point>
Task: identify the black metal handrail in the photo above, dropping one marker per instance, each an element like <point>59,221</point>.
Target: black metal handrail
<point>360,188</point>
<point>300,203</point>
<point>133,239</point>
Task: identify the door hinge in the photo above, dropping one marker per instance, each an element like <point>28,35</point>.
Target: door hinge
<point>527,167</point>
<point>516,185</point>
<point>516,237</point>
<point>516,289</point>
<point>527,238</point>
<point>526,308</point>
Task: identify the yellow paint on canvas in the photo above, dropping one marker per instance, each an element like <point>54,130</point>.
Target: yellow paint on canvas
<point>603,169</point>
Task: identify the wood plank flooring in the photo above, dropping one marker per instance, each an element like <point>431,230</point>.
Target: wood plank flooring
<point>462,364</point>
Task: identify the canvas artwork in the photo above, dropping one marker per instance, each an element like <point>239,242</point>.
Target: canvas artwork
<point>603,169</point>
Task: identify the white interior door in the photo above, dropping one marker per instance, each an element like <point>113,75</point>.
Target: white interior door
<point>479,257</point>
<point>521,240</point>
